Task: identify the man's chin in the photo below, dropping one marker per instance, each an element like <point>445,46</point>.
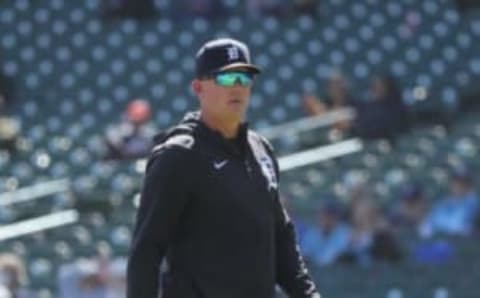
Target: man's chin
<point>235,115</point>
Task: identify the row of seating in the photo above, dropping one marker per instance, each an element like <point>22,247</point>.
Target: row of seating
<point>75,74</point>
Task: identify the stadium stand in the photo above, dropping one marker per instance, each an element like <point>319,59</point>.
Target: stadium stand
<point>75,73</point>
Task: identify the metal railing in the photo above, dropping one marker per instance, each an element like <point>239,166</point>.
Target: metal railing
<point>38,224</point>
<point>34,192</point>
<point>318,154</point>
<point>308,123</point>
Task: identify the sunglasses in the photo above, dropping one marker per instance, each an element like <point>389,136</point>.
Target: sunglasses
<point>231,78</point>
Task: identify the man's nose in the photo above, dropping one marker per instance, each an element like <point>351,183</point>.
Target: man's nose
<point>238,84</point>
<point>237,90</point>
<point>238,81</point>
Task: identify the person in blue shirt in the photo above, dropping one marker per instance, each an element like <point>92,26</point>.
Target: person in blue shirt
<point>455,214</point>
<point>325,243</point>
<point>410,208</point>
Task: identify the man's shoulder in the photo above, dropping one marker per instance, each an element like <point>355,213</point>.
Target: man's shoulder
<point>175,142</point>
<point>175,148</point>
<point>253,135</point>
<point>173,153</point>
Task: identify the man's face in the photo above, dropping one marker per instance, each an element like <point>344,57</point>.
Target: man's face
<point>222,102</point>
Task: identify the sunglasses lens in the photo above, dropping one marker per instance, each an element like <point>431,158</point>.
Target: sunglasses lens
<point>229,79</point>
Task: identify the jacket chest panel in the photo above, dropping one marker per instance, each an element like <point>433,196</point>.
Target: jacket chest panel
<point>237,180</point>
<point>235,190</point>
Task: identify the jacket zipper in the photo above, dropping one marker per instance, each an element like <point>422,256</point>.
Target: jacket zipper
<point>248,167</point>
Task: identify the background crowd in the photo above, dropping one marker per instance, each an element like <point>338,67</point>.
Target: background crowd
<point>109,125</point>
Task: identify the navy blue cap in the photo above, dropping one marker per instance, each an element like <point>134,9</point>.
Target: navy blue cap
<point>223,54</point>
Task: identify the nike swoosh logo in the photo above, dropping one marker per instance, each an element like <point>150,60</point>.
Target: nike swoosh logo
<point>219,165</point>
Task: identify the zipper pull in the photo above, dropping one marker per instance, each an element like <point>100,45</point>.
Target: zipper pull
<point>248,167</point>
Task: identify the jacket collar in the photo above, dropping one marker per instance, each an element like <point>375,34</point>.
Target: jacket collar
<point>223,143</point>
<point>192,124</point>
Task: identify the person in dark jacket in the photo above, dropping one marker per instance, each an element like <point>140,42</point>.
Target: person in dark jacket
<point>384,115</point>
<point>210,204</point>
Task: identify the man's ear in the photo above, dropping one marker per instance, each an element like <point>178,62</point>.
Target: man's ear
<point>196,86</point>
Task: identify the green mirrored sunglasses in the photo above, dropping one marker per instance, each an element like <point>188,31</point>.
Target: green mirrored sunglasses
<point>230,78</point>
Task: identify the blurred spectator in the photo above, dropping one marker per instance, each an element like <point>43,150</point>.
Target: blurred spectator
<point>131,138</point>
<point>81,279</point>
<point>465,5</point>
<point>6,91</point>
<point>313,105</point>
<point>337,97</point>
<point>97,277</point>
<point>384,114</point>
<point>128,8</point>
<point>306,7</point>
<point>13,277</point>
<point>258,8</point>
<point>433,252</point>
<point>117,283</point>
<point>410,209</point>
<point>207,8</point>
<point>412,22</point>
<point>371,236</point>
<point>86,277</point>
<point>455,214</point>
<point>9,128</point>
<point>325,242</point>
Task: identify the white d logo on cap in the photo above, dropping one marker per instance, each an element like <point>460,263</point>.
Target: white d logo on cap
<point>233,53</point>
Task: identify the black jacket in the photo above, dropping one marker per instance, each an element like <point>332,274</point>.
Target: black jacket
<point>212,208</point>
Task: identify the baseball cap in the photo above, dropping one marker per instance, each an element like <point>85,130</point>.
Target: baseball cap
<point>223,54</point>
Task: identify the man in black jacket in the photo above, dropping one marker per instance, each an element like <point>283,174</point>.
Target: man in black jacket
<point>210,202</point>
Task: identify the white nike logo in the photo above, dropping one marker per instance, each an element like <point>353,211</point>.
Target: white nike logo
<point>219,165</point>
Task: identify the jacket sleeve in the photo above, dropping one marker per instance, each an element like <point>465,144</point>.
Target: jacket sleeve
<point>292,274</point>
<point>163,197</point>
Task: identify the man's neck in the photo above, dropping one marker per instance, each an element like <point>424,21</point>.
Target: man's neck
<point>228,129</point>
